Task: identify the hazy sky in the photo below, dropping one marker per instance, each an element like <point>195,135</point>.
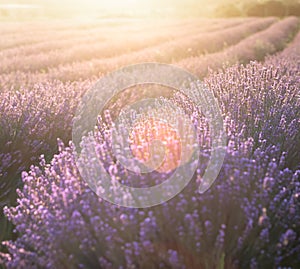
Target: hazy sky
<point>106,3</point>
<point>122,6</point>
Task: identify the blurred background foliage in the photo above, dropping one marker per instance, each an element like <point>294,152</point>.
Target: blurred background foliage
<point>259,8</point>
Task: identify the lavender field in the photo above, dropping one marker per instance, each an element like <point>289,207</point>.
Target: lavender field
<point>248,218</point>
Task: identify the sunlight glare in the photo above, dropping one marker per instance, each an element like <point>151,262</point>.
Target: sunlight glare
<point>117,5</point>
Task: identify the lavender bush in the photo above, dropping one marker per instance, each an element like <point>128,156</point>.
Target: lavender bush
<point>30,121</point>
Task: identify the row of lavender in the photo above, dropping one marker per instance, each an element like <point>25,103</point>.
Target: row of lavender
<point>248,219</point>
<point>242,43</point>
<point>39,36</point>
<point>97,43</point>
<point>180,48</point>
<point>87,61</point>
<point>40,33</point>
<point>255,46</point>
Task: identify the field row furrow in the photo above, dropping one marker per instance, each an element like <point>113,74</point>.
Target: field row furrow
<point>255,47</point>
<point>10,29</point>
<point>97,35</point>
<point>54,52</point>
<point>34,37</point>
<point>29,37</point>
<point>166,52</point>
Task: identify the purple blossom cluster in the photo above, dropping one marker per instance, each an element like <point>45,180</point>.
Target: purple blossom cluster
<point>249,218</point>
<point>30,121</point>
<point>239,222</point>
<point>263,100</point>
